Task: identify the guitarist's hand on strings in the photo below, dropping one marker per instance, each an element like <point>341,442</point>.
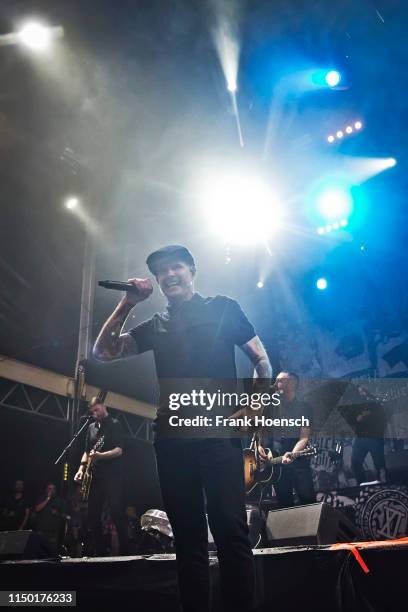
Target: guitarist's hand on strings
<point>94,456</point>
<point>287,458</point>
<point>263,456</point>
<point>78,476</point>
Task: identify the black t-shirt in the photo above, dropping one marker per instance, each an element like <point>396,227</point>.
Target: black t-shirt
<point>111,431</point>
<point>12,512</point>
<point>284,438</point>
<point>50,517</point>
<point>373,421</point>
<point>194,344</point>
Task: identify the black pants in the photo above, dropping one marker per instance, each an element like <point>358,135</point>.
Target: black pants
<point>187,469</point>
<point>297,476</point>
<point>106,487</point>
<point>363,446</point>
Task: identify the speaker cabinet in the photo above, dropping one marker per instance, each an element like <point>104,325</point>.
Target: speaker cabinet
<point>311,524</point>
<point>17,545</point>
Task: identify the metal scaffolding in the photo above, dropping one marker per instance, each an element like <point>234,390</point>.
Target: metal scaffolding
<point>46,394</point>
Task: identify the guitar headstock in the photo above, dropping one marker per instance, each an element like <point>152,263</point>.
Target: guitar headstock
<point>98,399</point>
<point>309,451</point>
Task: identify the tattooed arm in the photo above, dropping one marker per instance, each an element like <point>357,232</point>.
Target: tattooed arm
<point>255,350</point>
<point>111,344</point>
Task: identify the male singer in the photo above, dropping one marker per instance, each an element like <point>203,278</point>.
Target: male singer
<point>194,339</point>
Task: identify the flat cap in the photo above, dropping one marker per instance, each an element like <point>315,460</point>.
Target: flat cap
<point>171,251</point>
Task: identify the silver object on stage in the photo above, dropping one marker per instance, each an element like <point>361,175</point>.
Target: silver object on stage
<point>156,521</point>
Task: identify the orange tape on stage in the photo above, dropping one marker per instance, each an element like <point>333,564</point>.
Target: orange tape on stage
<point>354,547</point>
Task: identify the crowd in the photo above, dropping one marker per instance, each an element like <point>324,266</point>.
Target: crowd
<point>61,522</point>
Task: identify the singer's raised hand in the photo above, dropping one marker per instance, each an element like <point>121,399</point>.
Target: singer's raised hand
<point>111,343</point>
<point>144,290</point>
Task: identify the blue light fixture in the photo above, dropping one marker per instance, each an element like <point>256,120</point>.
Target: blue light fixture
<point>332,78</point>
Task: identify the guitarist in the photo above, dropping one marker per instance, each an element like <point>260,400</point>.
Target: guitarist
<point>296,474</point>
<point>106,483</point>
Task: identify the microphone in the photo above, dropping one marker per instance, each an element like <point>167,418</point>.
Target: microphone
<point>87,418</point>
<point>118,286</point>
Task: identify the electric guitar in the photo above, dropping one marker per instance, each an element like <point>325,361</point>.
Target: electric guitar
<point>257,472</point>
<point>87,476</point>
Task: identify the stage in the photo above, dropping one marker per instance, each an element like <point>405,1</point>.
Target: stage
<point>360,576</point>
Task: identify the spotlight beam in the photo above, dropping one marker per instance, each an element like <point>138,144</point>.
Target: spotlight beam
<point>30,36</point>
<point>363,168</point>
<point>226,41</point>
<point>237,119</point>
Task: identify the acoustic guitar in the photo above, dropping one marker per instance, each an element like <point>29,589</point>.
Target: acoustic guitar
<point>257,472</point>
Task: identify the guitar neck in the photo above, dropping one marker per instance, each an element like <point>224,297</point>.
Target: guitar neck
<point>295,455</point>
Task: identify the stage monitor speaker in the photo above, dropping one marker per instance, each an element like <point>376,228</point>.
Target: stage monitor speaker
<point>17,545</point>
<point>311,524</point>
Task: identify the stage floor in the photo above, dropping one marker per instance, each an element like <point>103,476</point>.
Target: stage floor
<point>310,577</point>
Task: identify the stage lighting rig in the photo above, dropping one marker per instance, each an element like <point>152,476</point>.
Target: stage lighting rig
<point>346,131</point>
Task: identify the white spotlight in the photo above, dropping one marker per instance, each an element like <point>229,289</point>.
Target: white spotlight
<point>320,230</point>
<point>349,129</point>
<point>71,203</point>
<point>241,209</point>
<point>391,162</point>
<point>35,36</point>
<point>232,86</point>
<point>358,125</point>
<point>330,138</point>
<point>260,285</point>
<point>339,134</point>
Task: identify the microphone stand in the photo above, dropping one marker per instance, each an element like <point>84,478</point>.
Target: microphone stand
<point>69,445</point>
<point>63,536</point>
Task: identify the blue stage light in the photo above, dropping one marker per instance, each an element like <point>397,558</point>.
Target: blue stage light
<point>321,284</point>
<point>334,203</point>
<point>325,78</point>
<point>330,202</point>
<point>332,78</point>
